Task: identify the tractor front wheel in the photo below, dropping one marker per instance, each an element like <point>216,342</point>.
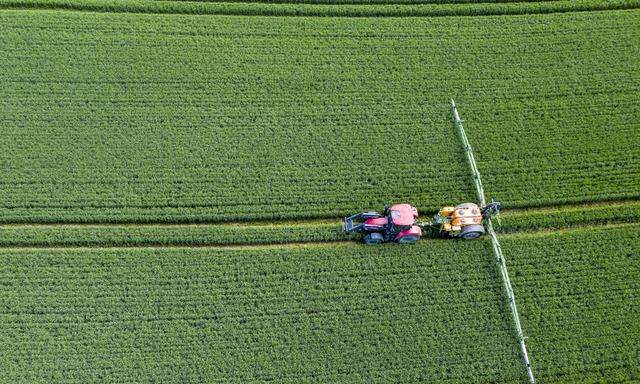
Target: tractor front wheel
<point>474,231</point>
<point>373,238</point>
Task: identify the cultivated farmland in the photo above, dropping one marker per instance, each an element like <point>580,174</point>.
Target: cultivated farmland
<point>332,314</point>
<point>174,174</point>
<point>175,118</point>
<point>579,294</point>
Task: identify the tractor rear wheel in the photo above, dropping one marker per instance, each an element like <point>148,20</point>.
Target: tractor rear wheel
<point>474,231</point>
<point>409,239</point>
<point>373,238</point>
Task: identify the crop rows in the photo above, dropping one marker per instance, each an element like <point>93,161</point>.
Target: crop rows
<point>568,217</point>
<point>430,312</point>
<point>324,8</point>
<point>182,119</point>
<point>348,2</point>
<point>579,294</point>
<point>167,235</point>
<point>331,314</point>
<point>138,125</point>
<point>120,235</point>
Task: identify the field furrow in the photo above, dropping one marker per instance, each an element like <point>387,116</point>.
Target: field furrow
<point>294,233</point>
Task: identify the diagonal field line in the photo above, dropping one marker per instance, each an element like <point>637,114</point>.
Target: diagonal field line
<point>497,249</point>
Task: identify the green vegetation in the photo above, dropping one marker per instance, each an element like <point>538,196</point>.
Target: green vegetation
<point>434,311</point>
<point>578,296</point>
<point>568,217</point>
<point>281,232</point>
<point>348,2</point>
<point>325,314</point>
<point>187,119</point>
<point>326,8</point>
<point>172,178</point>
<point>167,235</point>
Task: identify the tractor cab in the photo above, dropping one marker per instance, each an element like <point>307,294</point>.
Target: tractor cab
<point>401,216</point>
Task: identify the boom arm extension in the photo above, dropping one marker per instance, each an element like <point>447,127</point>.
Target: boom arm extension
<point>354,224</point>
<point>494,240</point>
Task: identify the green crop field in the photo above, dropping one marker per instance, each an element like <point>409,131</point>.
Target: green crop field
<point>332,314</point>
<point>173,175</point>
<point>579,293</point>
<point>176,118</point>
<point>324,313</point>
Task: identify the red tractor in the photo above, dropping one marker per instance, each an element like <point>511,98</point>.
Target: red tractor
<point>398,223</point>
